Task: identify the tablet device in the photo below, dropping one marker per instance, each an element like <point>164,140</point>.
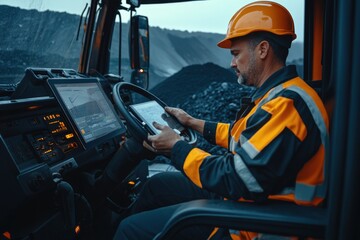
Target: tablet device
<point>152,111</point>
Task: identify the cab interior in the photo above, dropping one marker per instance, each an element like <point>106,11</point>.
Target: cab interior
<point>48,164</point>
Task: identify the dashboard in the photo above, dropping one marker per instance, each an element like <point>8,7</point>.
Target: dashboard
<point>55,123</point>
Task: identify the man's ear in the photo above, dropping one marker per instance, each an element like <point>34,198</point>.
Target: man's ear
<point>264,48</point>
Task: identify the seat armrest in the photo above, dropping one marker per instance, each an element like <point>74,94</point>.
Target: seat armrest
<point>280,218</point>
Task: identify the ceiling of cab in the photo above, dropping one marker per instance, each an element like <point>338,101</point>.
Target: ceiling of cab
<point>165,1</point>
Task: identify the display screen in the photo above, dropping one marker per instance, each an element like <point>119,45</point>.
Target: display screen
<point>88,107</point>
<point>150,112</point>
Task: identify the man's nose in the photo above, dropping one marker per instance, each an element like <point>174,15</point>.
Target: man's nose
<point>233,63</point>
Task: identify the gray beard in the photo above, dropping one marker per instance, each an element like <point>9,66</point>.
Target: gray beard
<point>241,80</point>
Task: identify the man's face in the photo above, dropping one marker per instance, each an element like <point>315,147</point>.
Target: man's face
<point>244,62</point>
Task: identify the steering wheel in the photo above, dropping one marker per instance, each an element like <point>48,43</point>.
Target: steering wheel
<point>137,128</point>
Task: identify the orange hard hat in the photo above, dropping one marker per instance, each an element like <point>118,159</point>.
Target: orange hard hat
<point>259,16</point>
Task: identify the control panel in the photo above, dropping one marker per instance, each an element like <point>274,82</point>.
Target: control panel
<point>51,145</point>
<point>45,138</point>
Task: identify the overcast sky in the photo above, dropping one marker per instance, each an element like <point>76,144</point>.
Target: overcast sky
<point>205,16</point>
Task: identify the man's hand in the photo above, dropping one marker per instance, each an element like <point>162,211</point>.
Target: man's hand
<point>185,119</point>
<point>164,141</point>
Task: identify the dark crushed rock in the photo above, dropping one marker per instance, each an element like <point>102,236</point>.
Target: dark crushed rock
<point>191,80</point>
<point>219,102</point>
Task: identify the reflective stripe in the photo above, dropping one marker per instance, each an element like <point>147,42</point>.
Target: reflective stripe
<point>315,112</point>
<point>242,139</point>
<point>245,175</point>
<point>232,144</point>
<point>250,149</point>
<point>234,232</point>
<point>271,95</point>
<point>307,192</point>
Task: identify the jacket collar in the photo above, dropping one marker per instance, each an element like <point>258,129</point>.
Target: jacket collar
<point>280,76</point>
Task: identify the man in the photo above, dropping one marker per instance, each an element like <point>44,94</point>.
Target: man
<point>276,144</point>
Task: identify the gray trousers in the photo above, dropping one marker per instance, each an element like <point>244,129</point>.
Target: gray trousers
<point>160,197</point>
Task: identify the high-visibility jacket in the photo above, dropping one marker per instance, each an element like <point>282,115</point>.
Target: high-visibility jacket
<point>276,146</point>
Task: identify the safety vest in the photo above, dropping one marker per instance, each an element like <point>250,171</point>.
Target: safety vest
<point>311,181</point>
<point>277,146</point>
<point>310,188</point>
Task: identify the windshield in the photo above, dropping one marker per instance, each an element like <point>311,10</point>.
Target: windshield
<point>38,33</point>
<point>49,34</point>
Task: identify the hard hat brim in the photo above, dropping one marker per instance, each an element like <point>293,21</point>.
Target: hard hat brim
<point>225,43</point>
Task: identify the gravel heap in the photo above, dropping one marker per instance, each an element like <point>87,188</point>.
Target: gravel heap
<point>191,80</point>
<point>219,102</point>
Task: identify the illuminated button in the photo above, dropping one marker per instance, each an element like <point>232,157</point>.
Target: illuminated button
<point>70,135</point>
<point>77,229</point>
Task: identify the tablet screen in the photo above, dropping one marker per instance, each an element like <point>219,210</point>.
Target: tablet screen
<point>152,111</point>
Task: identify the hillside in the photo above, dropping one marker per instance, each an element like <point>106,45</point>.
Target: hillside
<point>49,39</point>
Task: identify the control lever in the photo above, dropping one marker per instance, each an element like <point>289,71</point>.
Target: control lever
<point>66,194</point>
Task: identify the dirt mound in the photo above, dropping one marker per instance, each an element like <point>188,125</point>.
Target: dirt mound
<point>179,87</point>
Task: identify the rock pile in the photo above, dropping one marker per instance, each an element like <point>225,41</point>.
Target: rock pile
<point>219,102</point>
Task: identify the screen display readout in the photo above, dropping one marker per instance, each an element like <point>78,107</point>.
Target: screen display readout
<point>151,111</point>
<point>89,109</point>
